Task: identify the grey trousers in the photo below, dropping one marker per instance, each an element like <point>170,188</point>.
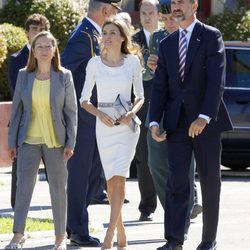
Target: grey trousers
<point>28,160</point>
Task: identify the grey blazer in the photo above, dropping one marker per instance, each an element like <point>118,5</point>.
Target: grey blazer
<point>62,103</point>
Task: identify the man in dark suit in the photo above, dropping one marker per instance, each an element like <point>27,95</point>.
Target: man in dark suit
<point>34,24</point>
<point>149,20</point>
<point>84,168</point>
<point>188,89</point>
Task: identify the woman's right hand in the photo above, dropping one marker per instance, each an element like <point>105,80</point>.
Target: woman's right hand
<point>106,119</point>
<point>12,153</point>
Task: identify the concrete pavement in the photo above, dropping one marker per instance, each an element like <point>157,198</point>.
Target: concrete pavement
<point>233,232</point>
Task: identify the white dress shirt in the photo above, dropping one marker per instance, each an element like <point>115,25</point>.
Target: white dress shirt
<point>147,35</point>
<point>99,29</point>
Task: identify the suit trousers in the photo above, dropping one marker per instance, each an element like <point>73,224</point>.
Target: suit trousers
<point>28,160</point>
<point>148,201</point>
<point>85,171</point>
<point>14,181</point>
<point>159,169</point>
<point>207,151</point>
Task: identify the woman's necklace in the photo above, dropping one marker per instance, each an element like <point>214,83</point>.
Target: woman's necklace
<point>43,76</point>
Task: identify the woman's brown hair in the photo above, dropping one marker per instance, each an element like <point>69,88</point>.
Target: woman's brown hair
<point>127,47</point>
<point>32,61</point>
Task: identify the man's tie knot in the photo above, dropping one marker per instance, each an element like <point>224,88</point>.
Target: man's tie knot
<point>184,33</point>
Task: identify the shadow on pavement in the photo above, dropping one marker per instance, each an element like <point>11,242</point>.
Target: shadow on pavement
<point>32,208</point>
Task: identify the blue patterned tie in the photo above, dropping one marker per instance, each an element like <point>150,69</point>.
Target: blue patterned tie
<point>182,54</point>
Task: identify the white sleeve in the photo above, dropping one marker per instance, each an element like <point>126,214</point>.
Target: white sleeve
<point>90,80</point>
<point>137,78</point>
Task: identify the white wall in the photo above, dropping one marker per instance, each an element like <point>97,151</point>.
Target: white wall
<point>217,7</point>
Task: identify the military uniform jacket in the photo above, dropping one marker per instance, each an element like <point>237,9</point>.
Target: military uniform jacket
<point>82,45</point>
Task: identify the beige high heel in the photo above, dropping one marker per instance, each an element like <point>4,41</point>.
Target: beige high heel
<point>122,248</point>
<point>16,246</point>
<point>109,237</point>
<point>124,245</point>
<point>60,246</point>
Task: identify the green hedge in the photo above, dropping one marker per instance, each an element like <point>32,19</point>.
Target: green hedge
<point>3,48</point>
<point>244,26</point>
<point>16,39</point>
<point>62,15</point>
<point>235,26</point>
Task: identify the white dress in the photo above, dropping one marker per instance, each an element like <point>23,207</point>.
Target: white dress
<point>116,144</point>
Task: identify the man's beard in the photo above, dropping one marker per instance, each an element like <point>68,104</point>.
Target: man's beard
<point>179,19</point>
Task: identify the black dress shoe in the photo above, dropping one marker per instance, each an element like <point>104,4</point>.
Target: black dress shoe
<point>87,241</point>
<point>146,217</point>
<point>126,201</point>
<point>104,201</point>
<point>207,246</point>
<point>197,209</point>
<point>170,246</point>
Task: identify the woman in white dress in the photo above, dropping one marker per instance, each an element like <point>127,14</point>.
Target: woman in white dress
<point>117,71</point>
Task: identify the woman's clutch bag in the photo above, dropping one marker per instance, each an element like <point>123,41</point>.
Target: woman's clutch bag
<point>122,107</point>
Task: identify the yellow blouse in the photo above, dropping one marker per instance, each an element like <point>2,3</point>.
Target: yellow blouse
<point>41,129</point>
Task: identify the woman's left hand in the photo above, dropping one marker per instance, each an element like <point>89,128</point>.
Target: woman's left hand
<point>68,152</point>
<point>126,119</point>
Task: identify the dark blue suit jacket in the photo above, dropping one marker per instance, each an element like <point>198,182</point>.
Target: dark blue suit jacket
<point>17,61</point>
<point>202,90</point>
<point>82,45</point>
<point>140,38</point>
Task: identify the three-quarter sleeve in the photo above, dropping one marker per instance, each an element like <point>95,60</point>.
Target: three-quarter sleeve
<point>137,78</point>
<point>90,80</point>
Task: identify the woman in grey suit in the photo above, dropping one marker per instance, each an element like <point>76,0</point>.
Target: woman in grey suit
<point>43,124</point>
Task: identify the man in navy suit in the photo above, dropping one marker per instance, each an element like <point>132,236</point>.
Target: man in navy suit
<point>34,24</point>
<point>190,97</point>
<point>149,20</point>
<point>84,168</point>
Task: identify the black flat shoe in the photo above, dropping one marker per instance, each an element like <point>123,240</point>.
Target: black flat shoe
<point>169,246</point>
<point>89,241</point>
<point>146,217</point>
<point>207,246</point>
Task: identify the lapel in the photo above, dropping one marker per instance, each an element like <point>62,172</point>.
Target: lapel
<point>30,78</point>
<point>25,54</point>
<point>143,39</point>
<point>89,29</point>
<point>54,81</point>
<point>172,55</point>
<point>194,44</point>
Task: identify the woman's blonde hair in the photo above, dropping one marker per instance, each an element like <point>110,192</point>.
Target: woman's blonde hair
<point>32,61</point>
<point>127,47</point>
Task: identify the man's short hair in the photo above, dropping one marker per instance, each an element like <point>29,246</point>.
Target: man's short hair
<point>154,2</point>
<point>37,19</point>
<point>94,5</point>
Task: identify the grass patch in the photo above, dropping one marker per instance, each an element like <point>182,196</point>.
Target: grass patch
<point>6,224</point>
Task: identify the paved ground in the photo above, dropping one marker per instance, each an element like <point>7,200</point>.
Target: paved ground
<point>233,233</point>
